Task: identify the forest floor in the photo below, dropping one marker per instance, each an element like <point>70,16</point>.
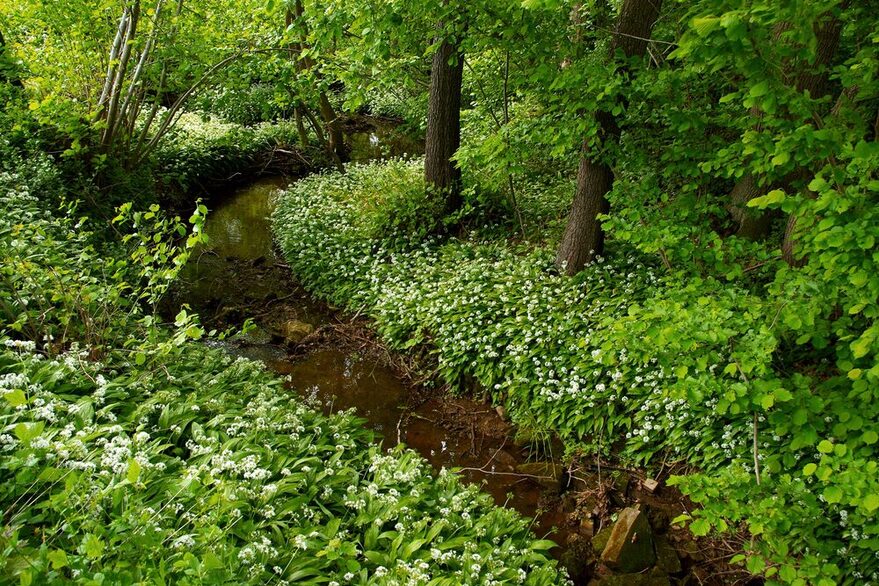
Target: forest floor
<point>336,360</point>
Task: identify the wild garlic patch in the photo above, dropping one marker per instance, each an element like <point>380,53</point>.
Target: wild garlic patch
<point>161,460</point>
<point>620,355</point>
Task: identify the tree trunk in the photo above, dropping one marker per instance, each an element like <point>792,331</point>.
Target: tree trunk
<point>753,224</point>
<point>444,125</point>
<point>300,127</point>
<point>7,70</point>
<point>812,78</point>
<point>584,237</point>
<point>334,130</point>
<point>335,144</point>
<point>594,180</point>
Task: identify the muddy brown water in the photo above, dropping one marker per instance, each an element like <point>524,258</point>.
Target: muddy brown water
<point>239,276</point>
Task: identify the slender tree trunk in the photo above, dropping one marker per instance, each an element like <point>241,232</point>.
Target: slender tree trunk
<point>335,143</point>
<point>812,78</point>
<point>334,129</point>
<point>300,126</point>
<point>584,237</point>
<point>9,75</point>
<point>444,125</point>
<point>121,73</point>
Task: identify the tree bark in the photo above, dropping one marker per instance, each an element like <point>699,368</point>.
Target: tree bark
<point>584,238</point>
<point>335,144</point>
<point>334,129</point>
<point>9,75</point>
<point>812,78</point>
<point>300,127</point>
<point>753,224</point>
<point>444,125</point>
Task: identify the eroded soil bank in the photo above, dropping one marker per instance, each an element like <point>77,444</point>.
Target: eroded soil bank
<point>335,361</point>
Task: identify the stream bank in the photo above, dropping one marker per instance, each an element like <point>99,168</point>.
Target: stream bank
<point>336,362</point>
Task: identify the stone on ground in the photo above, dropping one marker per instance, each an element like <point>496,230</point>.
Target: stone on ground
<point>630,546</point>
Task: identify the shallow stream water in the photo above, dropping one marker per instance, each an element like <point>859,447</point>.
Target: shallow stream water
<point>238,275</point>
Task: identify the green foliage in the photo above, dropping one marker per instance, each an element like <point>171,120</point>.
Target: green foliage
<point>622,351</point>
<point>67,288</point>
<point>258,102</point>
<point>132,454</point>
<point>753,356</point>
<point>200,470</point>
<point>393,206</point>
<point>202,152</point>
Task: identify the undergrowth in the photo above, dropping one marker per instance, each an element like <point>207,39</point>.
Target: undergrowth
<point>132,453</point>
<point>619,359</point>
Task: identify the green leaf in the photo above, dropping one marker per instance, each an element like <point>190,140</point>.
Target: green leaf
<point>780,159</point>
<point>92,546</point>
<point>211,561</point>
<point>28,431</point>
<point>700,527</point>
<point>759,89</point>
<point>705,25</point>
<point>133,471</point>
<point>58,559</point>
<point>775,196</point>
<point>832,494</point>
<point>16,398</point>
<point>871,502</point>
<point>825,446</point>
<point>787,573</point>
<point>755,564</point>
<point>543,544</point>
<point>810,468</point>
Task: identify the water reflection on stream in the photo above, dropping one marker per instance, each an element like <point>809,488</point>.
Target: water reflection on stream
<point>239,276</point>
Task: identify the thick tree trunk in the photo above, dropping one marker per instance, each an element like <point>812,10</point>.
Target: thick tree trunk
<point>584,237</point>
<point>753,224</point>
<point>444,125</point>
<point>594,180</point>
<point>812,78</point>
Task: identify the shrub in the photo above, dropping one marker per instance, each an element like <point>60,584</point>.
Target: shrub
<point>202,152</point>
<point>248,106</point>
<point>131,454</point>
<point>624,357</point>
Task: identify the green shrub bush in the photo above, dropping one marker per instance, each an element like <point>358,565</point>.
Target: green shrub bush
<point>201,152</point>
<point>621,359</point>
<point>132,454</point>
<point>249,105</point>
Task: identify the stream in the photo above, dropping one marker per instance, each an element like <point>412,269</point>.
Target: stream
<point>333,362</point>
